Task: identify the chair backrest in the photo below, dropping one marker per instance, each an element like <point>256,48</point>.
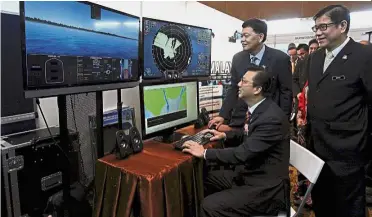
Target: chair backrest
<point>306,162</point>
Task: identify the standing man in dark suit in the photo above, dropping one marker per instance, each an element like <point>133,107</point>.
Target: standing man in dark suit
<point>340,83</point>
<point>276,63</point>
<point>293,57</point>
<point>299,76</point>
<point>261,186</point>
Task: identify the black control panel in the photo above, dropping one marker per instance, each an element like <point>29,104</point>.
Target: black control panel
<point>61,71</point>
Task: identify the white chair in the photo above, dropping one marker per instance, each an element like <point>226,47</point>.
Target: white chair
<point>308,165</point>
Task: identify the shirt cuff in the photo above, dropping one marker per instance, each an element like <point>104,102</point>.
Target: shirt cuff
<point>205,152</point>
<point>229,134</point>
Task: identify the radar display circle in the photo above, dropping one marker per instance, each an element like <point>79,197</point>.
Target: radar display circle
<point>172,48</point>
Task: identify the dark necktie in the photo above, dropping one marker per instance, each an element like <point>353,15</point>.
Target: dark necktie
<point>253,60</point>
<point>247,122</point>
<point>248,117</point>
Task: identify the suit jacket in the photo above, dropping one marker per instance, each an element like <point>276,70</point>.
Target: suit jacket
<point>337,106</point>
<point>264,151</point>
<point>299,76</point>
<point>278,65</point>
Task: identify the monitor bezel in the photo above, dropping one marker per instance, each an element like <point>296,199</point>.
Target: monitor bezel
<point>142,108</point>
<point>192,77</point>
<point>77,88</point>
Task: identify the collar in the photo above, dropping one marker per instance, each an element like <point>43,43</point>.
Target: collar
<point>339,48</point>
<point>260,54</point>
<point>251,109</point>
<point>295,62</point>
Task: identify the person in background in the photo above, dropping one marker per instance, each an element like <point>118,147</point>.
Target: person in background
<point>261,186</point>
<point>276,63</point>
<point>302,131</point>
<point>292,53</point>
<point>313,45</point>
<point>299,77</point>
<point>302,51</point>
<point>340,88</point>
<point>302,137</point>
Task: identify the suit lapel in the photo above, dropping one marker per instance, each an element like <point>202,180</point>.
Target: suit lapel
<point>316,64</point>
<point>260,109</point>
<point>266,57</point>
<point>338,61</point>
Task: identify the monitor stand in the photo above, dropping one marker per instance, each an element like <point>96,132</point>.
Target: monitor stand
<point>170,137</point>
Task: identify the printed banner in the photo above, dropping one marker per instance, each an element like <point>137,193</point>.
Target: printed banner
<point>212,92</point>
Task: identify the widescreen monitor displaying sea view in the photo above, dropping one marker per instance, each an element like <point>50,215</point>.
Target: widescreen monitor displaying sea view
<point>71,29</point>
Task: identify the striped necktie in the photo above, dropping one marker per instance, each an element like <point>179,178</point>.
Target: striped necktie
<point>247,121</point>
<point>253,60</point>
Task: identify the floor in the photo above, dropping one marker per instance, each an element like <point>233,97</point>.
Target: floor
<point>308,212</point>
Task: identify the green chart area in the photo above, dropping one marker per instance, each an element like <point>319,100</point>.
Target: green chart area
<point>163,101</point>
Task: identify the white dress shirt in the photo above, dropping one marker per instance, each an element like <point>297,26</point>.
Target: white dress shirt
<point>330,55</point>
<point>258,56</point>
<point>252,108</point>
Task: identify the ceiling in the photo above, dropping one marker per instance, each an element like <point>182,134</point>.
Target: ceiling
<point>273,10</point>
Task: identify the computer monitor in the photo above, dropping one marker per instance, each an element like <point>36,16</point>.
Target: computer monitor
<point>170,47</point>
<point>68,44</point>
<point>166,107</point>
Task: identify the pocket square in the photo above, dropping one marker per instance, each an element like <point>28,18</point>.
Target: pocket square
<point>340,78</point>
<point>344,57</point>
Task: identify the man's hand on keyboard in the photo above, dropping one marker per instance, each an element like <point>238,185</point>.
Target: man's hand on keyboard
<point>216,134</point>
<point>193,148</point>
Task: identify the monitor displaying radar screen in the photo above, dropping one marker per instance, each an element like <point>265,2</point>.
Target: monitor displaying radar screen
<point>174,47</point>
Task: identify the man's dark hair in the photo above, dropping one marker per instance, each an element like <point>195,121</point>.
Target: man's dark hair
<point>257,25</point>
<point>337,14</point>
<point>303,46</point>
<point>291,46</point>
<point>313,41</point>
<point>261,79</point>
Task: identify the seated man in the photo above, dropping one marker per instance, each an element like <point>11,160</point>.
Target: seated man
<point>260,185</point>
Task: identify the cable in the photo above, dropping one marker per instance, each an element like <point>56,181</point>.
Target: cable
<point>73,102</point>
<point>73,115</point>
<point>50,133</point>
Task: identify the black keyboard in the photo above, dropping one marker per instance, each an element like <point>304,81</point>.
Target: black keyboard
<point>201,138</point>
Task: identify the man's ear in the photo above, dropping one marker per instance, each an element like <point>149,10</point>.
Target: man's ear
<point>261,37</point>
<point>343,26</point>
<point>257,90</point>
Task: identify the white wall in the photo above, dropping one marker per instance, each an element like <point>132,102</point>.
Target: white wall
<point>192,13</point>
<point>298,30</point>
<point>280,34</point>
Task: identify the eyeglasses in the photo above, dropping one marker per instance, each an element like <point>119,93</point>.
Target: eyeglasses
<point>246,82</point>
<point>322,27</point>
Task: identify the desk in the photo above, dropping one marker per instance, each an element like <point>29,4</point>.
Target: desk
<point>159,181</point>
